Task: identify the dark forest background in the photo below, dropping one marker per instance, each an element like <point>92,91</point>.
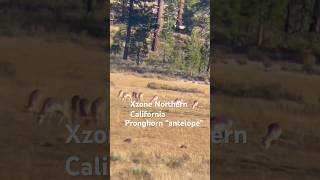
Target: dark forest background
<point>169,37</point>
<point>266,70</point>
<point>74,19</point>
<point>270,30</point>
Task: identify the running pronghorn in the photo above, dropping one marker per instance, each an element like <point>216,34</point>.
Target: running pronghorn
<point>137,96</point>
<point>120,94</point>
<point>52,107</point>
<point>96,110</point>
<point>273,133</point>
<point>74,108</point>
<point>126,96</point>
<point>154,99</point>
<point>195,104</point>
<point>34,102</point>
<point>134,96</point>
<point>84,108</point>
<point>219,125</point>
<point>178,100</point>
<point>140,96</point>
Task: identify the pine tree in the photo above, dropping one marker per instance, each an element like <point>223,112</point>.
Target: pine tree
<point>156,37</point>
<point>315,19</point>
<point>128,36</point>
<point>179,22</point>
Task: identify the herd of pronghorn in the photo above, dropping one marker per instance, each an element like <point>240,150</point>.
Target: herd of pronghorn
<point>75,110</point>
<point>79,109</point>
<point>138,96</point>
<point>218,124</point>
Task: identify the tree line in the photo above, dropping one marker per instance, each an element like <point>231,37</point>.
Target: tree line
<point>268,23</point>
<point>175,32</point>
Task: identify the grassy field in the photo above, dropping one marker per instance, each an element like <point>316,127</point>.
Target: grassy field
<point>60,68</point>
<point>157,152</point>
<point>63,68</point>
<point>295,156</point>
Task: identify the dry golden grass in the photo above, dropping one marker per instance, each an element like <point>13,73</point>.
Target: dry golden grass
<point>61,69</point>
<point>255,74</point>
<point>155,152</point>
<point>295,156</point>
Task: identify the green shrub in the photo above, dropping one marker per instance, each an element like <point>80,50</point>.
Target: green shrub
<point>154,85</point>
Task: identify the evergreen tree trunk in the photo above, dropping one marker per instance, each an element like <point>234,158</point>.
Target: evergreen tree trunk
<point>287,20</point>
<point>302,16</point>
<point>124,8</point>
<point>260,34</point>
<point>179,21</point>
<point>157,33</point>
<point>315,19</point>
<point>89,6</point>
<point>260,30</point>
<point>208,67</point>
<point>164,56</point>
<point>138,57</point>
<point>129,24</point>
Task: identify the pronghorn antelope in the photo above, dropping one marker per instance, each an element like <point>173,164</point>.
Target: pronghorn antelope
<point>97,109</point>
<point>34,102</point>
<point>74,107</point>
<point>140,96</point>
<point>273,133</point>
<point>137,96</point>
<point>120,94</point>
<point>178,100</point>
<point>154,99</point>
<point>52,107</point>
<point>134,96</point>
<point>84,107</point>
<point>126,96</point>
<point>195,104</point>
